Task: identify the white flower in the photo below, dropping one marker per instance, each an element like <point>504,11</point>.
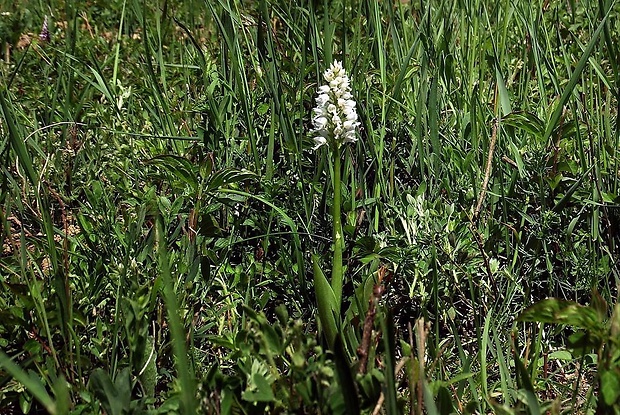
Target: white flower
<point>334,117</point>
<point>322,100</point>
<point>319,141</point>
<point>320,122</point>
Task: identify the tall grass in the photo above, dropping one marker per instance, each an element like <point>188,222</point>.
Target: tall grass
<point>158,190</point>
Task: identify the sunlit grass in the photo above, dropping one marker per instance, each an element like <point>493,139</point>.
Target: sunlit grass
<point>160,205</point>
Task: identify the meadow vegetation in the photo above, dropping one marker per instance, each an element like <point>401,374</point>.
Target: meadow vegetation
<point>164,216</point>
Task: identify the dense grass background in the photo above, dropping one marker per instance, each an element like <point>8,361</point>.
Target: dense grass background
<point>160,202</point>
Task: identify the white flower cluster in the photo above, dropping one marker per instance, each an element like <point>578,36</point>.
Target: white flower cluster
<point>335,118</point>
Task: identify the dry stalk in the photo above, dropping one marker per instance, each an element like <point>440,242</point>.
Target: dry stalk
<point>381,399</point>
<point>369,321</point>
<point>487,172</point>
<point>377,293</point>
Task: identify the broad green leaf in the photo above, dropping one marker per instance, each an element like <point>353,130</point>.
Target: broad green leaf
<point>599,305</point>
<point>561,355</point>
<point>552,310</point>
<point>610,386</point>
<point>326,302</point>
<point>583,341</point>
<point>113,400</point>
<point>179,167</point>
<point>32,383</point>
<point>272,340</point>
<point>532,402</point>
<point>544,311</point>
<point>227,177</point>
<point>526,122</point>
<point>609,197</point>
<point>444,401</point>
<point>61,392</point>
<point>504,96</point>
<point>263,392</point>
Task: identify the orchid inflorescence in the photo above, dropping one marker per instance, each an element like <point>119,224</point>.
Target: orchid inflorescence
<point>335,117</point>
<point>334,120</point>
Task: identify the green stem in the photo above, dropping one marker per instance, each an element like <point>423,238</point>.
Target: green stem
<point>337,274</point>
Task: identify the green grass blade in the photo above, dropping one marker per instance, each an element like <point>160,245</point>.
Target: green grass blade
<point>387,324</point>
<point>32,383</point>
<point>184,371</point>
<point>16,138</point>
<point>573,80</point>
<point>484,345</point>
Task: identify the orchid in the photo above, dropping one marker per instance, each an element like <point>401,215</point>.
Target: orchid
<point>334,117</point>
<point>335,120</point>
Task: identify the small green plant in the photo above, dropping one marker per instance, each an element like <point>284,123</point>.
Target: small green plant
<point>597,330</point>
<point>270,367</point>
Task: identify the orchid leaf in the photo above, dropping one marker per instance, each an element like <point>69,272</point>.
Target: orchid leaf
<point>326,302</point>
